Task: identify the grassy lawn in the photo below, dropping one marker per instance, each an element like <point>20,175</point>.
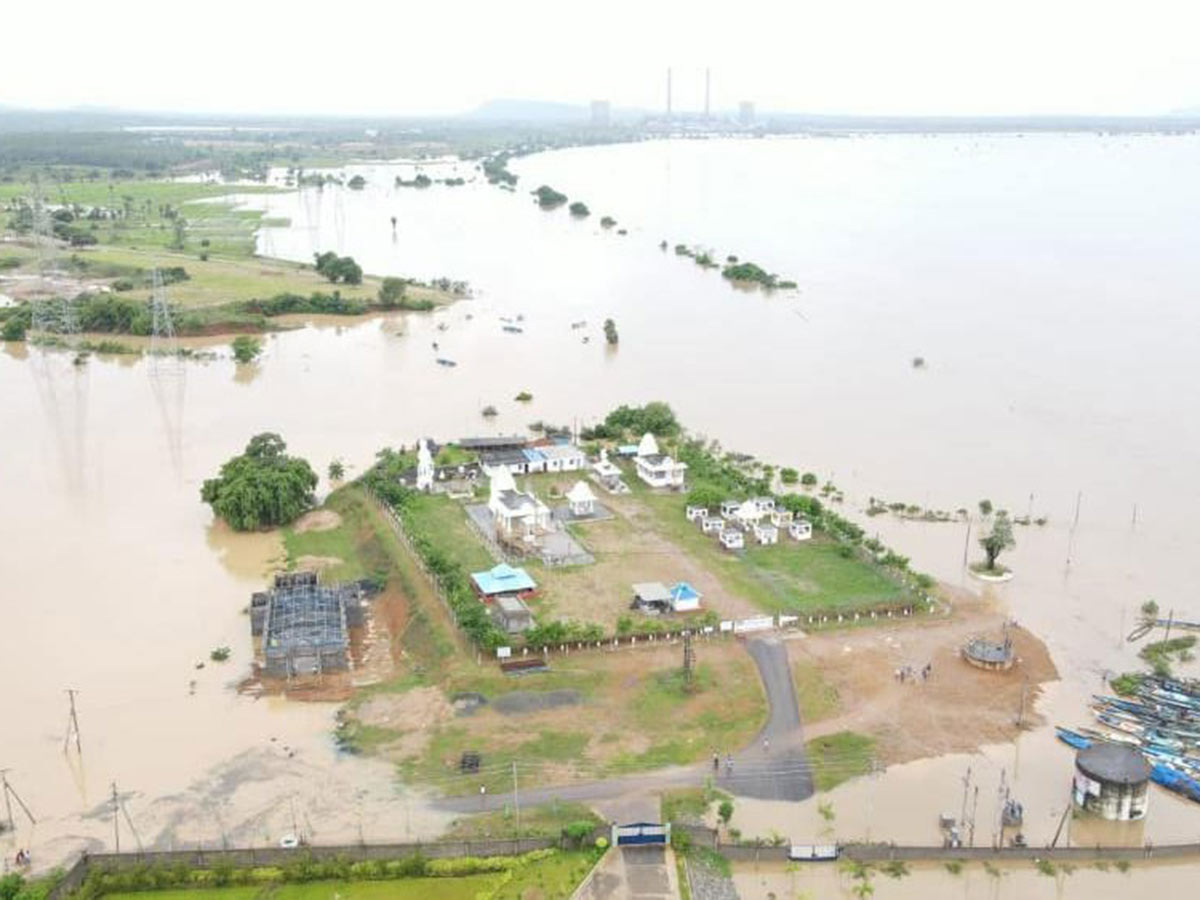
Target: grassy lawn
<point>546,820</point>
<point>839,757</point>
<point>815,576</point>
<point>788,577</point>
<point>444,522</point>
<point>816,697</point>
<point>555,876</point>
<point>632,714</point>
<point>689,804</point>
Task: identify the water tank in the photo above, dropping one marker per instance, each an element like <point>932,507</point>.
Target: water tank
<point>1111,781</point>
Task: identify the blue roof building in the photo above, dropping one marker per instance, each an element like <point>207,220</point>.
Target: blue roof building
<point>503,579</point>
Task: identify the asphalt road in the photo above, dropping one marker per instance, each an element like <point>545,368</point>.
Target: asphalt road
<point>773,767</point>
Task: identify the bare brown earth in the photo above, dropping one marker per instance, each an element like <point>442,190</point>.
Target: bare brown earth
<point>318,520</point>
<point>957,709</point>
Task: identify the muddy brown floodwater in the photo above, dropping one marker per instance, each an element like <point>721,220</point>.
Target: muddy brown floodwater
<point>1046,281</point>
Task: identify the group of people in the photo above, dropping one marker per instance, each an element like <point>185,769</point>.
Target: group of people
<point>908,673</point>
<point>23,858</point>
<point>716,759</point>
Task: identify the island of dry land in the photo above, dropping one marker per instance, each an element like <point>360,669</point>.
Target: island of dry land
<point>433,697</point>
<point>102,238</point>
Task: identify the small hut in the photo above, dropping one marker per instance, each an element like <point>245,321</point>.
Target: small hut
<point>581,501</point>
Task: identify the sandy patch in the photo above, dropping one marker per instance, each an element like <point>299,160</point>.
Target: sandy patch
<point>957,709</point>
<point>317,520</point>
<point>416,714</point>
<point>317,563</point>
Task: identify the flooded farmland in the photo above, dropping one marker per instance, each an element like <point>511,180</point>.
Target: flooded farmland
<point>1047,282</point>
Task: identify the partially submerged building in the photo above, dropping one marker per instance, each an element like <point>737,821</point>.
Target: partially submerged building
<point>304,626</point>
<point>1111,781</point>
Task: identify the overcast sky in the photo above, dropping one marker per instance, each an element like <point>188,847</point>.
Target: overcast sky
<point>835,56</point>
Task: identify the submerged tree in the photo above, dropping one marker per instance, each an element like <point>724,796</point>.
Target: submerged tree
<point>245,348</point>
<point>998,539</point>
<point>610,331</point>
<point>262,488</point>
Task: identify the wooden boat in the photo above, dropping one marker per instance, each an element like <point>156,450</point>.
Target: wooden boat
<point>442,361</point>
<point>1072,738</point>
<point>513,329</point>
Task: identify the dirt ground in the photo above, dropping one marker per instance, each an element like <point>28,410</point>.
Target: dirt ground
<point>317,520</point>
<point>628,549</point>
<point>958,708</point>
<point>317,563</point>
<point>617,710</point>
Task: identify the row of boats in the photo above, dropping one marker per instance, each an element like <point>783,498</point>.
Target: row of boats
<point>1161,720</point>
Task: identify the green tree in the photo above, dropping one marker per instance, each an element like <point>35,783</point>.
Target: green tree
<point>337,471</point>
<point>985,507</point>
<point>338,268</point>
<point>261,488</point>
<point>725,811</point>
<point>998,539</point>
<point>548,197</point>
<point>579,209</point>
<point>610,331</point>
<point>357,183</point>
<point>391,292</point>
<point>788,475</point>
<point>245,348</point>
<point>808,479</point>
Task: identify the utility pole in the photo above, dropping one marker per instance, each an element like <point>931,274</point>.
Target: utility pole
<point>10,794</point>
<point>72,725</point>
<point>1074,524</point>
<point>1021,710</point>
<point>966,782</point>
<point>689,661</point>
<point>974,810</point>
<point>116,817</point>
<point>516,799</point>
<point>967,540</point>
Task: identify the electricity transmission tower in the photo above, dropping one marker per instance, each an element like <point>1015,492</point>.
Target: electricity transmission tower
<point>166,369</point>
<point>52,318</point>
<point>72,725</point>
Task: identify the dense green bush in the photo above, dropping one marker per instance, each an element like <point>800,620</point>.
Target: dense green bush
<point>338,268</point>
<point>262,488</point>
<point>548,197</point>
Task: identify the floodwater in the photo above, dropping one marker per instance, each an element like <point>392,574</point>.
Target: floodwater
<point>1046,281</point>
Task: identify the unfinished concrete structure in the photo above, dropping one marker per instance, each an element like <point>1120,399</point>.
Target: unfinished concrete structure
<point>304,625</point>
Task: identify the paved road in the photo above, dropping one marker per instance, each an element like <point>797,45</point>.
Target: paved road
<point>776,770</point>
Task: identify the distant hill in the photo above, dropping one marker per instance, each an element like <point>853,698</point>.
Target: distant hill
<point>512,110</point>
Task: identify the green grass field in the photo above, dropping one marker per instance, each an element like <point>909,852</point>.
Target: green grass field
<point>839,757</point>
<point>788,577</point>
<point>444,522</point>
<point>552,878</point>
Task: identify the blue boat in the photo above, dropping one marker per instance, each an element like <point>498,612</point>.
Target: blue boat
<point>1174,780</point>
<point>1073,738</point>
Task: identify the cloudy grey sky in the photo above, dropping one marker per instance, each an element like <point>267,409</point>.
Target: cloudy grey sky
<point>842,56</point>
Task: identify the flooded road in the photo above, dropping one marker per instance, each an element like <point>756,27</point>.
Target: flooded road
<point>1047,281</point>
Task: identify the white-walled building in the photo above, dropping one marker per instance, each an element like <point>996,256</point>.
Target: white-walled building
<point>516,513</point>
<point>563,458</point>
<point>424,467</point>
<point>657,469</point>
<point>580,500</point>
<point>766,534</point>
<point>733,539</point>
<point>800,530</point>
